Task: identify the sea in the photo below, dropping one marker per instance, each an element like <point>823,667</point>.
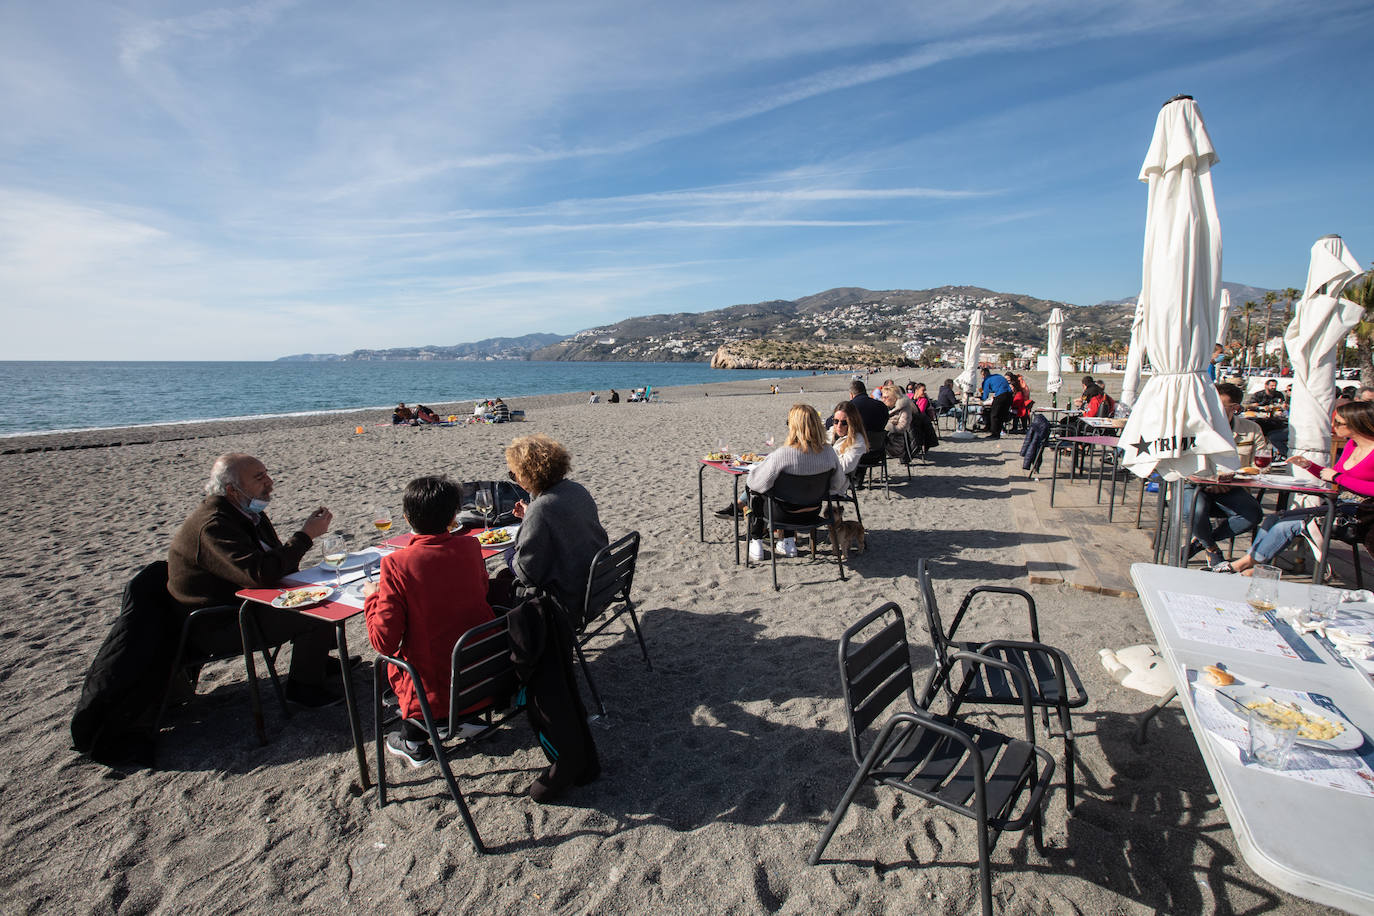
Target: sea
<point>61,396</point>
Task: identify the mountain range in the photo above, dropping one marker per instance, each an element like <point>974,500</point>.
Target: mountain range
<point>909,321</point>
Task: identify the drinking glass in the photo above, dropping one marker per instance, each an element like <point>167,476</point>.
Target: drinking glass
<point>1263,594</point>
<point>1322,602</point>
<point>335,552</point>
<point>484,504</point>
<point>381,519</point>
<point>1262,457</point>
<point>1271,739</point>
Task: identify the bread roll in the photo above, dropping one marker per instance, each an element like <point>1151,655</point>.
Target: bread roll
<point>1217,677</point>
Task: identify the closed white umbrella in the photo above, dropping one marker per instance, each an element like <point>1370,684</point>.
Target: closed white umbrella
<point>1054,353</point>
<point>1312,339</point>
<point>1224,316</point>
<point>968,379</point>
<point>1135,356</point>
<point>1177,426</point>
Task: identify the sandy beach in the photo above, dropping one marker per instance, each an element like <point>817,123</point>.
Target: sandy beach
<point>721,765</point>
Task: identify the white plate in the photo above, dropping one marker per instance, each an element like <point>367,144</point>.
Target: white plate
<point>317,594</point>
<point>1236,698</point>
<point>509,529</point>
<point>359,560</point>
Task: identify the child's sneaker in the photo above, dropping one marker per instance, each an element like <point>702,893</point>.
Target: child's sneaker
<point>416,753</point>
<point>756,550</point>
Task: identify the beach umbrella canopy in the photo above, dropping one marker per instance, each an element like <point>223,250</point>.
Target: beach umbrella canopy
<point>1224,316</point>
<point>1312,339</point>
<point>1054,350</point>
<point>1177,426</point>
<point>1135,356</point>
<point>968,379</point>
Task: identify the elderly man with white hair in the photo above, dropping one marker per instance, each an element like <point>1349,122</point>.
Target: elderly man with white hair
<point>228,543</point>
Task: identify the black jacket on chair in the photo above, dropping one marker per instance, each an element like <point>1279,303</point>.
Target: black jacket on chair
<point>112,722</point>
<point>1034,443</point>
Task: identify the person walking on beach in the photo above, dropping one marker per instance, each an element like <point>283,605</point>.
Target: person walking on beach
<point>996,392</point>
<point>228,543</point>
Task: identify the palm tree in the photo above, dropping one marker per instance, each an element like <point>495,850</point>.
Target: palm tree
<point>1290,295</point>
<point>1249,310</point>
<point>1269,299</point>
<point>1362,293</point>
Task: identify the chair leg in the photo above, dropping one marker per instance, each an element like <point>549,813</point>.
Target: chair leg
<point>1066,723</point>
<point>1148,716</point>
<point>378,687</point>
<point>984,869</point>
<point>859,778</point>
<point>639,636</point>
<point>1355,556</point>
<point>586,673</point>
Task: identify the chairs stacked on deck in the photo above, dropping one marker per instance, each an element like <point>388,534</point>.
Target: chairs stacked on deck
<point>984,775</point>
<point>1048,673</point>
<point>796,503</point>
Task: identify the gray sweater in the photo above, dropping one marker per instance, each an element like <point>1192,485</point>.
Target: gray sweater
<point>557,540</point>
<point>795,461</point>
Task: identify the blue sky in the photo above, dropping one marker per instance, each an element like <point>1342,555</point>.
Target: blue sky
<point>184,180</point>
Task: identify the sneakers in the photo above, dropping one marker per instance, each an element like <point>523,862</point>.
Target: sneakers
<point>312,696</point>
<point>415,753</point>
<point>1222,567</point>
<point>788,547</point>
<point>756,550</point>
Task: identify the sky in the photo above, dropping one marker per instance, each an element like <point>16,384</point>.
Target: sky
<point>183,180</point>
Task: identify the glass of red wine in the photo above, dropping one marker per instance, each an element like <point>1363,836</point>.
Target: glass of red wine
<point>1263,457</point>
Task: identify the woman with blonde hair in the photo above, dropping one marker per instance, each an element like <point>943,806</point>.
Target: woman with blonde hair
<point>803,452</point>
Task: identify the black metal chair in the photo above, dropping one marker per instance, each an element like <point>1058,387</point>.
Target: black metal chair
<point>483,677</point>
<point>608,592</point>
<point>186,662</point>
<point>873,459</point>
<point>1047,671</point>
<point>797,502</point>
<point>979,773</point>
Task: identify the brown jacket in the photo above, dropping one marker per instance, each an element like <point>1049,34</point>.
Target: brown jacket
<point>219,550</point>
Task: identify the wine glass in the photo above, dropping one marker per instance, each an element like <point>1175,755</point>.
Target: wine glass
<point>1262,457</point>
<point>381,519</point>
<point>484,504</point>
<point>1263,593</point>
<point>335,552</point>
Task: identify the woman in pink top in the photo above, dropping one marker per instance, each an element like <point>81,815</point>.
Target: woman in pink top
<point>1354,471</point>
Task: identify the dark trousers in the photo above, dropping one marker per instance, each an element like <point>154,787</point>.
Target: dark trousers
<point>998,413</point>
<point>310,641</point>
<point>1238,511</point>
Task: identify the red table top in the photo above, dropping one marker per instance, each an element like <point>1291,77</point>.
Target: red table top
<point>401,540</point>
<point>725,466</point>
<point>1091,440</point>
<point>331,611</point>
<point>1251,483</point>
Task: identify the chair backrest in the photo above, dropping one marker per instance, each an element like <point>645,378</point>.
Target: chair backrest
<point>483,672</point>
<point>938,639</point>
<point>610,578</point>
<point>800,489</point>
<point>877,447</point>
<point>874,671</point>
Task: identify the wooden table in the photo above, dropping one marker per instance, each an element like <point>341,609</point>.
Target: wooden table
<point>1308,839</point>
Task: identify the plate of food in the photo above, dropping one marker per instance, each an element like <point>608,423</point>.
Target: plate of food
<point>717,456</point>
<point>1317,727</point>
<point>302,597</point>
<point>748,459</point>
<point>497,537</point>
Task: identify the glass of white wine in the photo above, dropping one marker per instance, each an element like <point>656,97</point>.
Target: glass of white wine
<point>335,552</point>
<point>483,501</point>
<point>1263,594</point>
<point>381,519</point>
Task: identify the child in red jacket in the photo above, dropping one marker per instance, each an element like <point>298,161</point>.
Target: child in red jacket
<point>428,594</point>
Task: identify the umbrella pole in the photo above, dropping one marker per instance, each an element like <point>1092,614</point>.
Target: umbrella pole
<point>1177,548</point>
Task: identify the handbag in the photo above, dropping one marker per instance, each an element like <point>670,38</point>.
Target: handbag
<point>1353,528</point>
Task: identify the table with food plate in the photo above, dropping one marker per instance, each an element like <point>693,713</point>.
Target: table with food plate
<point>312,593</point>
<point>1301,822</point>
<point>736,467</point>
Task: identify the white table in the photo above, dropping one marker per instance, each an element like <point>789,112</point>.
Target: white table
<point>1309,840</point>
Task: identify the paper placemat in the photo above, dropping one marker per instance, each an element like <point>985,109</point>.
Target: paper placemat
<point>1229,624</point>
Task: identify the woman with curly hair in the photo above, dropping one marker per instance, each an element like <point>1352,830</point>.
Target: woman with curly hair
<point>560,531</point>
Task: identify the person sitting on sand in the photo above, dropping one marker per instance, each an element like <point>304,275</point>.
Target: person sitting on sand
<point>426,597</point>
<point>803,452</point>
<point>847,436</point>
<point>594,399</point>
<point>1354,472</point>
<point>424,415</point>
<point>228,543</point>
<point>614,398</point>
<point>402,414</point>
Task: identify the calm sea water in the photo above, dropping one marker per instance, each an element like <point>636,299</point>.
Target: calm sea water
<point>45,396</point>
